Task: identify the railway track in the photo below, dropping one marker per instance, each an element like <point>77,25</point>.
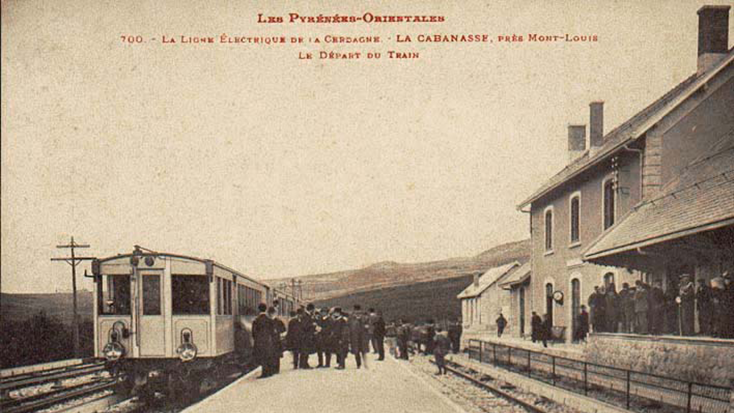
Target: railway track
<point>53,384</point>
<point>45,376</point>
<point>58,396</point>
<point>456,369</point>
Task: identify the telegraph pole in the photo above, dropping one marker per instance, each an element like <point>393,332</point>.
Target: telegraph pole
<point>74,261</point>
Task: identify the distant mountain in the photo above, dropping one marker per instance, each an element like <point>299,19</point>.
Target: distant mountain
<point>391,274</point>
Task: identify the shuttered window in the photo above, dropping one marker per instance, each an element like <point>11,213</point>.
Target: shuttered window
<point>549,230</point>
<point>575,218</point>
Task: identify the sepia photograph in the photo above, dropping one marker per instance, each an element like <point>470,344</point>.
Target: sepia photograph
<point>441,206</point>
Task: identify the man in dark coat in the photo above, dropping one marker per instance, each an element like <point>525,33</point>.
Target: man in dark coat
<point>501,324</point>
<point>325,340</point>
<point>293,338</point>
<point>430,333</point>
<point>704,302</point>
<point>262,336</point>
<point>358,336</point>
<point>641,308</point>
<point>341,337</point>
<point>535,326</point>
<point>319,337</point>
<point>308,331</point>
<point>686,301</point>
<point>611,308</point>
<point>441,347</point>
<point>455,335</point>
<point>597,303</point>
<point>403,338</point>
<point>378,337</point>
<point>278,329</point>
<point>729,281</point>
<point>582,324</point>
<point>627,308</point>
<point>656,304</point>
<point>372,319</point>
<point>546,330</point>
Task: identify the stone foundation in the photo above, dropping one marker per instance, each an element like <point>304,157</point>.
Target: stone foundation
<point>703,360</point>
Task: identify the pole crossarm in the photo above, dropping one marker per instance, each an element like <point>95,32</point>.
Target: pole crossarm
<point>74,261</point>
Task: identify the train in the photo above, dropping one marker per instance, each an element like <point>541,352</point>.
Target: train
<point>169,323</point>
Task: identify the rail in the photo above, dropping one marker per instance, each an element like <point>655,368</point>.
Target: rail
<point>630,389</point>
<point>37,377</point>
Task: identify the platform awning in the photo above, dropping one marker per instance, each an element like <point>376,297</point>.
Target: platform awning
<point>700,200</point>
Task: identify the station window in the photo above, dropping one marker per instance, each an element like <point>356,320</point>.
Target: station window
<point>609,209</point>
<point>114,295</point>
<point>151,294</point>
<point>190,294</point>
<point>549,230</point>
<point>575,218</point>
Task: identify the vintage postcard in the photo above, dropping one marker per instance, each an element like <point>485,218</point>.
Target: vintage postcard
<point>367,206</point>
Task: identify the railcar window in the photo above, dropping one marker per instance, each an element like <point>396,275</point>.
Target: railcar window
<point>224,296</point>
<point>248,299</point>
<point>151,294</point>
<point>190,294</point>
<point>114,295</point>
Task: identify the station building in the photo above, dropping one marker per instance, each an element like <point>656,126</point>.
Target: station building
<point>576,216</point>
<point>484,300</point>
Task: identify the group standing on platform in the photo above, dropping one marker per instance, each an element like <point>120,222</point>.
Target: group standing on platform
<point>335,334</point>
<point>647,309</point>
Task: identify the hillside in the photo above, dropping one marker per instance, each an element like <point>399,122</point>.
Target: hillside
<point>391,274</point>
<point>18,307</point>
<point>415,303</point>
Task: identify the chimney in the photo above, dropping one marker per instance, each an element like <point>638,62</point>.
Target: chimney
<point>713,36</point>
<point>476,279</point>
<point>596,124</point>
<point>576,141</point>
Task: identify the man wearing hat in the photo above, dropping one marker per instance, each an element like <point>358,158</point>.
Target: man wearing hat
<point>686,303</point>
<point>293,337</point>
<point>341,337</point>
<point>263,336</point>
<point>308,331</point>
<point>705,306</point>
<point>723,301</point>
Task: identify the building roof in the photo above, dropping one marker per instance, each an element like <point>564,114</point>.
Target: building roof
<point>487,280</point>
<point>632,129</point>
<point>701,198</point>
<point>517,276</point>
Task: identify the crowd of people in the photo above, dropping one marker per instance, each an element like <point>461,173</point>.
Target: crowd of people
<point>648,309</point>
<point>334,334</point>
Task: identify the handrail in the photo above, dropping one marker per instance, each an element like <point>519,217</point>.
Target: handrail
<point>676,389</point>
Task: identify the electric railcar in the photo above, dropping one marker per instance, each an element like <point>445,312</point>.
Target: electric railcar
<point>168,322</point>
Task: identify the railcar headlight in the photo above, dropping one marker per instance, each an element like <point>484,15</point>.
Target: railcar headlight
<point>113,351</point>
<point>187,351</point>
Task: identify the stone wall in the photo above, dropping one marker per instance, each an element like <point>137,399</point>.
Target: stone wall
<point>702,360</point>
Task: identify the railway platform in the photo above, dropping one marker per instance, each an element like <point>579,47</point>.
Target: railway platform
<point>386,386</point>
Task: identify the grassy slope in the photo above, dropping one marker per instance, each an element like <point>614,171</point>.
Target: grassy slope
<point>415,302</point>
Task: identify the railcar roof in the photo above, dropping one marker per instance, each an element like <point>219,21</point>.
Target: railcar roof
<point>203,261</point>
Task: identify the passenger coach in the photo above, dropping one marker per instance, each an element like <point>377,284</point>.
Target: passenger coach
<point>165,321</point>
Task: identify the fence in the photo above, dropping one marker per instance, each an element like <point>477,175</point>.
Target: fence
<point>633,390</point>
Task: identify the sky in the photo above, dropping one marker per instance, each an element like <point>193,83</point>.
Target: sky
<point>278,166</point>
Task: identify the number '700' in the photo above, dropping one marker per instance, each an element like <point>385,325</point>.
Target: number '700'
<point>131,39</point>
